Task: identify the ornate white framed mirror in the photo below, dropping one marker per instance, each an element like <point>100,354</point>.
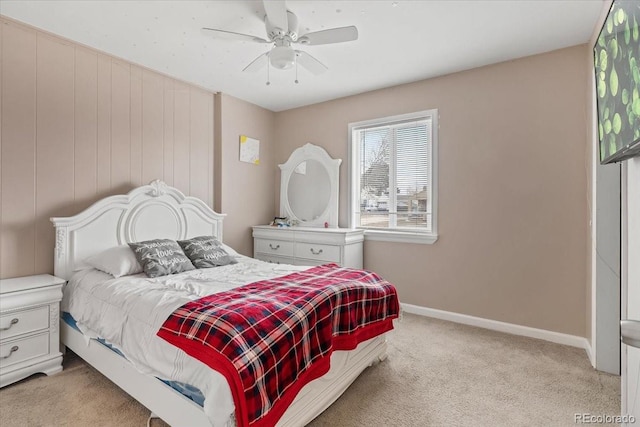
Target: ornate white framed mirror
<point>309,187</point>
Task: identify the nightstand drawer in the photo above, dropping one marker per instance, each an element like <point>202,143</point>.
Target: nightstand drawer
<point>21,322</point>
<point>274,247</point>
<point>30,335</point>
<point>24,349</point>
<point>318,252</point>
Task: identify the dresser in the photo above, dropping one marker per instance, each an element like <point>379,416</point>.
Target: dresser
<point>29,327</point>
<point>308,245</point>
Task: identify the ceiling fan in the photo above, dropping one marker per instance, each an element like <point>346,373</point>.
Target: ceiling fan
<point>282,32</point>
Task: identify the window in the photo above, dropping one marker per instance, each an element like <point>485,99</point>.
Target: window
<point>393,177</point>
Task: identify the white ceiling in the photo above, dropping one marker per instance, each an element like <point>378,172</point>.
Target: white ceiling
<point>399,41</point>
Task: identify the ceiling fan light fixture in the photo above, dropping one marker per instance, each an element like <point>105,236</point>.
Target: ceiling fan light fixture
<point>282,57</point>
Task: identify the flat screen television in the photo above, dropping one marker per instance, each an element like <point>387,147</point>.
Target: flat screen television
<point>617,71</point>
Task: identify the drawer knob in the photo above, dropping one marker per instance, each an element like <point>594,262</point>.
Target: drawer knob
<point>14,348</point>
<point>318,252</point>
<point>275,248</point>
<point>13,322</point>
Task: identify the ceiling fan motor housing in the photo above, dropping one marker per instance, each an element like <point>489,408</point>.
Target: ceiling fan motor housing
<point>290,33</point>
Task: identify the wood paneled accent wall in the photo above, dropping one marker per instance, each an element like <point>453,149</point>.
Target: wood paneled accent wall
<point>78,125</point>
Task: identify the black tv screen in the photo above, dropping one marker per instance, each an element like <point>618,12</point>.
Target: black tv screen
<point>617,72</point>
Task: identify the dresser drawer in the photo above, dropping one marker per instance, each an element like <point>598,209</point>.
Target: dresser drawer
<point>23,349</point>
<point>274,247</point>
<point>21,322</point>
<point>318,252</point>
<point>309,262</point>
<point>274,259</point>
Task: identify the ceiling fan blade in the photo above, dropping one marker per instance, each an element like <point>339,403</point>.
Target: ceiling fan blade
<point>257,63</point>
<point>310,63</point>
<point>230,35</point>
<point>277,14</point>
<point>334,35</point>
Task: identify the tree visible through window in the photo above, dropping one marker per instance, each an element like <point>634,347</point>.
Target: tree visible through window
<point>392,184</point>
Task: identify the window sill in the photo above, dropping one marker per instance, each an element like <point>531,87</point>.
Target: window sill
<point>400,237</point>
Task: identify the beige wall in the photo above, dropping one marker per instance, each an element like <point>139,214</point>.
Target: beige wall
<point>78,125</point>
<point>512,188</point>
<point>243,190</point>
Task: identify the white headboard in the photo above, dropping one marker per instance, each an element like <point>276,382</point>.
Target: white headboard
<point>153,211</point>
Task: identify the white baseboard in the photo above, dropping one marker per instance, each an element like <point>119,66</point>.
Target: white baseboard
<point>509,328</point>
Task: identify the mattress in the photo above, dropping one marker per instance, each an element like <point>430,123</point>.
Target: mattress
<point>187,390</point>
<point>127,312</point>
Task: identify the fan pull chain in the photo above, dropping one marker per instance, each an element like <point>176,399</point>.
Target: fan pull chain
<point>296,56</point>
<point>268,82</point>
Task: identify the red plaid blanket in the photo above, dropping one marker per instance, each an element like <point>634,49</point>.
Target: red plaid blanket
<point>272,337</point>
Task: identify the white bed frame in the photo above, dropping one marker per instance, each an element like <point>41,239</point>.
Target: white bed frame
<point>159,211</point>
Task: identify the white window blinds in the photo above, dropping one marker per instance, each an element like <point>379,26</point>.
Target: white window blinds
<point>394,175</point>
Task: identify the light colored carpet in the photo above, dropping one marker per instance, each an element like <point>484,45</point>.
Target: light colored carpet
<point>437,374</point>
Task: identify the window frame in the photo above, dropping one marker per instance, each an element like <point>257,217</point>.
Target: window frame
<point>395,235</point>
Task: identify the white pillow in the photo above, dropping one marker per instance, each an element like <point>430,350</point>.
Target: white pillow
<point>117,261</point>
<point>230,250</point>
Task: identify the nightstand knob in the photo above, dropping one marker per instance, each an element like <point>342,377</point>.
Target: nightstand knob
<point>13,322</point>
<point>14,348</point>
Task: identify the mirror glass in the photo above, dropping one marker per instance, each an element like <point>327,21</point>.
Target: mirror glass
<point>309,190</point>
<point>309,187</point>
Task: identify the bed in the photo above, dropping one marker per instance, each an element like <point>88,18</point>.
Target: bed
<point>159,211</point>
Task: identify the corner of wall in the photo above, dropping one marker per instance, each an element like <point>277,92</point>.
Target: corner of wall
<point>217,152</point>
<point>592,164</point>
<point>244,191</point>
<point>590,174</point>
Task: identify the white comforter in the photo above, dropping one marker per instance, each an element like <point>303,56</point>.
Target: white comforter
<point>127,312</point>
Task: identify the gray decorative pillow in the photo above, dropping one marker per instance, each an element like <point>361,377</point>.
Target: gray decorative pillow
<point>160,257</point>
<point>206,251</point>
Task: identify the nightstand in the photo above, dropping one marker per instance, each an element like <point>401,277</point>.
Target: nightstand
<point>29,327</point>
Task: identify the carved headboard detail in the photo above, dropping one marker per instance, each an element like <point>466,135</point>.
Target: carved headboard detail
<point>149,212</point>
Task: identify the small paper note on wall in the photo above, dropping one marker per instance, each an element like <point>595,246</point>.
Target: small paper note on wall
<point>249,150</point>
